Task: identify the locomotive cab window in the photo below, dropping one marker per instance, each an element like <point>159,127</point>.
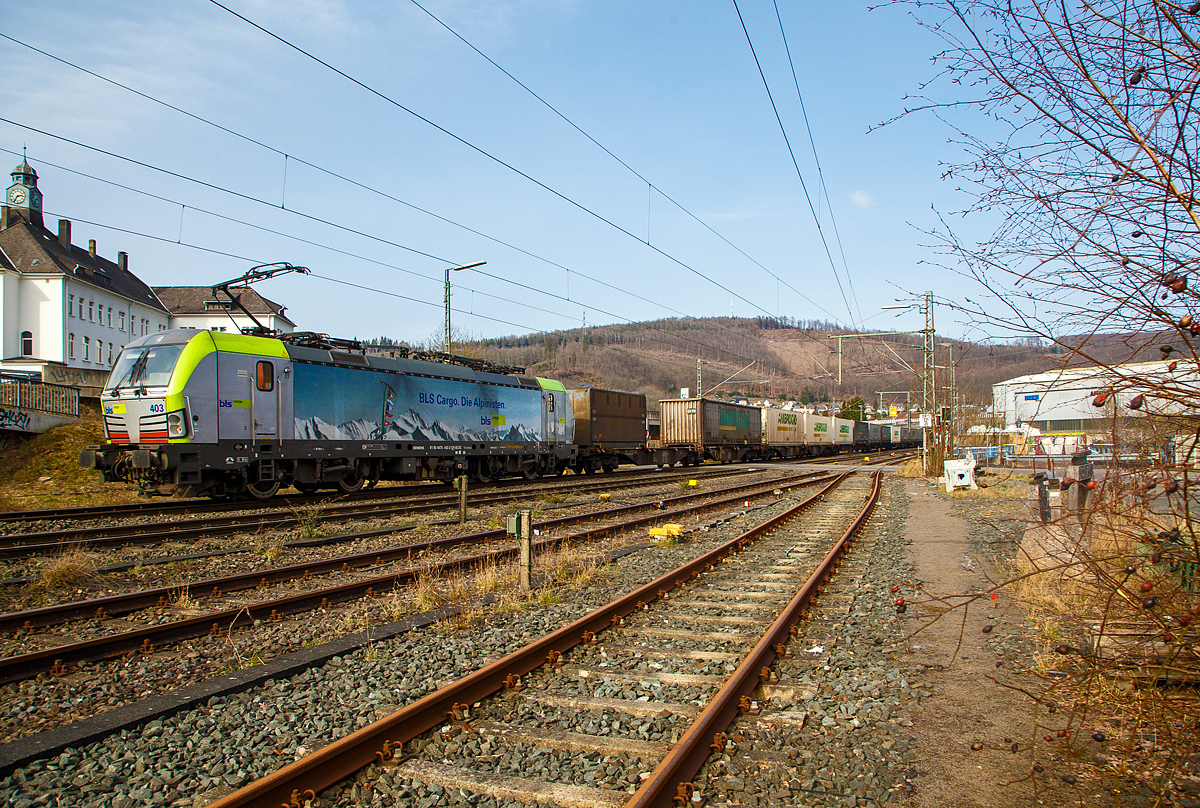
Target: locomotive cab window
<point>264,376</point>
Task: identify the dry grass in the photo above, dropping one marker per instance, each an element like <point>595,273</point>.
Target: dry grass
<point>68,571</point>
<point>184,599</point>
<point>1004,488</point>
<point>912,468</point>
<point>44,472</point>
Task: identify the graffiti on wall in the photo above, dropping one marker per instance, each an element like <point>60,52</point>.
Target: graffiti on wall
<point>74,377</point>
<point>14,419</point>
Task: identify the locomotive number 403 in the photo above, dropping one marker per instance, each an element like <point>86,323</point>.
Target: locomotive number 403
<point>157,408</point>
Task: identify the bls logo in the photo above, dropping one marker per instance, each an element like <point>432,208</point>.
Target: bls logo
<point>485,420</point>
<point>224,402</point>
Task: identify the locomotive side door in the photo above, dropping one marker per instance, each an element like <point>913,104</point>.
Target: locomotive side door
<point>233,395</point>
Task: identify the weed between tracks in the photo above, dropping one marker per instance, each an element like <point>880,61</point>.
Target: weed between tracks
<point>308,521</point>
<point>67,571</point>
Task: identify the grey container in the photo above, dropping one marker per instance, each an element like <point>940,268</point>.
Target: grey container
<point>708,422</point>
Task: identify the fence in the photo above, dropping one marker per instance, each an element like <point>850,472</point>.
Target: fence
<point>26,394</point>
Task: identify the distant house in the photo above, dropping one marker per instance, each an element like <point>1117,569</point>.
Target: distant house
<point>197,307</point>
<point>65,312</point>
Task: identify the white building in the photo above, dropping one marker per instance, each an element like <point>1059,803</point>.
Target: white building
<point>65,312</point>
<point>1060,402</point>
<point>198,307</point>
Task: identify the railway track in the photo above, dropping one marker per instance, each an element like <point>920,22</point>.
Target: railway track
<point>18,546</point>
<point>59,658</point>
<point>294,501</point>
<point>163,507</point>
<point>650,681</point>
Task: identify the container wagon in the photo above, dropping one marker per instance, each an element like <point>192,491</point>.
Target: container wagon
<point>843,433</point>
<point>704,428</point>
<point>610,429</point>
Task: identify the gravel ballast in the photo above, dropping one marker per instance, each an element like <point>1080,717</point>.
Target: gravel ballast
<point>196,755</point>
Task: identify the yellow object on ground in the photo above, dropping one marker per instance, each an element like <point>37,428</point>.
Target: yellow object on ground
<point>693,483</point>
<point>667,530</point>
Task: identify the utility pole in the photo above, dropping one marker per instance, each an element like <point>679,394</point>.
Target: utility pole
<point>929,391</point>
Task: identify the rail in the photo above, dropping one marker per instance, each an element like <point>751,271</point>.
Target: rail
<point>26,394</point>
<point>382,740</point>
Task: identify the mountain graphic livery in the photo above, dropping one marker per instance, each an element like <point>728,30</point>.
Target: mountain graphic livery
<point>410,425</point>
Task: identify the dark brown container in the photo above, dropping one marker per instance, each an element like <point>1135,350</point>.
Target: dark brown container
<point>608,419</point>
<point>708,422</point>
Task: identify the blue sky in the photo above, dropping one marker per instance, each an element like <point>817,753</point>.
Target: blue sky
<point>671,88</point>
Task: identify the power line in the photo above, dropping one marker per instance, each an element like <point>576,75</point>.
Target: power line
<point>287,156</point>
<point>374,290</point>
<point>383,194</point>
<point>817,159</point>
<point>630,168</point>
<point>310,242</point>
<point>795,164</point>
<point>479,150</point>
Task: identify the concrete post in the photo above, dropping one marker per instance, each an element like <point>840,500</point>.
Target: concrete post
<point>525,543</point>
<point>460,483</point>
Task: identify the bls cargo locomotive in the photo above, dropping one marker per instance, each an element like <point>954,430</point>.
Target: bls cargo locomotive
<point>207,413</point>
<point>210,413</point>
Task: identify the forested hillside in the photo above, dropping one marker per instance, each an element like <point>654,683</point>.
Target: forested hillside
<point>787,359</point>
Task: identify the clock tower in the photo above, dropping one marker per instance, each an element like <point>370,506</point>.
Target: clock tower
<point>23,199</point>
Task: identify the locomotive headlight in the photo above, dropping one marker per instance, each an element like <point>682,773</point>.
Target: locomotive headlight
<point>176,424</point>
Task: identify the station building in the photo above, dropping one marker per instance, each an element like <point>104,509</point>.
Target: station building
<point>65,311</point>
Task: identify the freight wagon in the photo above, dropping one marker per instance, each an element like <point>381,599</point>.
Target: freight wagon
<point>610,429</point>
<point>705,428</point>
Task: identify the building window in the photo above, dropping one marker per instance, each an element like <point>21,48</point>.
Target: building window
<point>87,347</point>
<point>70,305</point>
<point>120,321</point>
<point>26,343</point>
<point>91,310</point>
<point>110,316</point>
<point>70,346</point>
<point>110,354</point>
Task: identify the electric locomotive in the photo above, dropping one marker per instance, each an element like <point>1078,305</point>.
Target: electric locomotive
<point>197,413</point>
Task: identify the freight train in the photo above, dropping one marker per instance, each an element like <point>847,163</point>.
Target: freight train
<point>207,413</point>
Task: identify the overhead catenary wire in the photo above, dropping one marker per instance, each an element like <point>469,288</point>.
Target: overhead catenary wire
<point>817,159</point>
<point>261,228</point>
<point>381,193</point>
<point>340,281</point>
<point>484,153</point>
<point>342,177</point>
<point>630,168</point>
<point>795,163</point>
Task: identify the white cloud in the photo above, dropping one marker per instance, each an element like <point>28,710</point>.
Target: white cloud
<point>862,199</point>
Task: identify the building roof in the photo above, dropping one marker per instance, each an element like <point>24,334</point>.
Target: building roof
<point>201,300</point>
<point>1090,373</point>
<point>32,250</point>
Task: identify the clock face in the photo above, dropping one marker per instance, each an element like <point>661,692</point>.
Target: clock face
<point>16,196</point>
<point>35,200</point>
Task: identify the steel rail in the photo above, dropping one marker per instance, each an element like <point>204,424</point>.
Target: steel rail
<point>382,740</point>
<point>672,778</point>
<point>146,639</point>
<point>117,605</point>
<point>293,500</point>
<point>24,545</point>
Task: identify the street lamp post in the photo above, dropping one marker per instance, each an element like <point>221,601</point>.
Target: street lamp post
<point>446,341</point>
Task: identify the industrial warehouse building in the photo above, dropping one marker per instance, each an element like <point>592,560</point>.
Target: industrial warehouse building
<point>1060,402</point>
